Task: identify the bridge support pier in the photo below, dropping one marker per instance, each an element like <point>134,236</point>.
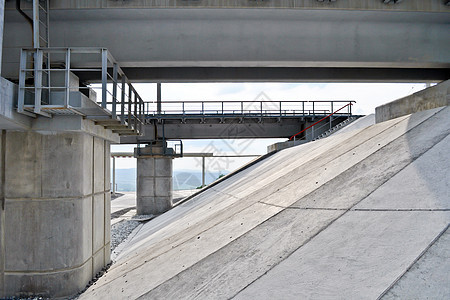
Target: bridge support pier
<point>55,218</point>
<point>154,179</point>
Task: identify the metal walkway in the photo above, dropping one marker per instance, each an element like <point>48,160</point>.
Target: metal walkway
<point>239,119</point>
<point>120,107</point>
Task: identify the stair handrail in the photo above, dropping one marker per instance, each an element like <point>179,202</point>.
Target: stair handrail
<point>348,104</point>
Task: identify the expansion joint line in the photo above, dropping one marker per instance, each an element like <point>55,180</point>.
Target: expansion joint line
<point>414,262</point>
<point>274,205</point>
<point>226,194</point>
<point>401,209</point>
<point>349,209</point>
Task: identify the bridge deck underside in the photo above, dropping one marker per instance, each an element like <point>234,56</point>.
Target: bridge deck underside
<point>230,128</point>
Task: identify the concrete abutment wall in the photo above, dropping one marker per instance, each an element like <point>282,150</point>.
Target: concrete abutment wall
<point>55,223</point>
<point>432,97</point>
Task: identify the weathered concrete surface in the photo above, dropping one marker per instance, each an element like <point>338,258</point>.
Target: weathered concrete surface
<point>9,118</point>
<point>356,257</point>
<point>249,235</point>
<point>435,96</point>
<point>242,44</point>
<point>361,123</point>
<point>428,278</point>
<point>412,5</point>
<point>56,218</point>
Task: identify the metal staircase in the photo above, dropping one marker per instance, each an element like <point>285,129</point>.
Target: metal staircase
<point>336,128</point>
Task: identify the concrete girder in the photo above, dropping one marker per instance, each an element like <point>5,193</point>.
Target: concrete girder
<point>410,5</point>
<point>203,44</point>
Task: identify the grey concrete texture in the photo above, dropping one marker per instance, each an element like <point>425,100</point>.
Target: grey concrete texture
<point>356,257</point>
<point>154,184</point>
<point>361,123</point>
<point>290,226</point>
<point>56,219</point>
<point>413,5</point>
<point>428,278</point>
<point>217,39</point>
<point>232,277</point>
<point>432,97</point>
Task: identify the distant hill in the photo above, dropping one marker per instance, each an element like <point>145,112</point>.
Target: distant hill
<point>182,179</point>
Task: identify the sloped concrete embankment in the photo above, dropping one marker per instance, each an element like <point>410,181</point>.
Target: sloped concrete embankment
<point>349,216</point>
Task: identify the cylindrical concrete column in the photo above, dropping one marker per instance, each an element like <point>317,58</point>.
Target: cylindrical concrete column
<point>154,181</point>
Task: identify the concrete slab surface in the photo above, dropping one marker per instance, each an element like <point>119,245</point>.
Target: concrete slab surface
<point>423,184</point>
<point>429,277</point>
<point>361,123</point>
<point>356,257</point>
<point>312,221</point>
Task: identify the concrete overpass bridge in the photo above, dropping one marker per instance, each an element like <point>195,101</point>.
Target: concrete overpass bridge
<point>249,40</point>
<point>56,130</point>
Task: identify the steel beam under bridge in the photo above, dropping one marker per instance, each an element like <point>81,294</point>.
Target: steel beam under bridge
<point>253,44</point>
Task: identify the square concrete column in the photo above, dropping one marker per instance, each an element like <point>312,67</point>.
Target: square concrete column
<point>55,222</point>
<point>154,181</point>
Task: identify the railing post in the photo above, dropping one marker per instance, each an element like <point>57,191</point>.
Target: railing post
<point>22,77</point>
<point>114,109</point>
<point>129,105</point>
<point>158,98</point>
<point>135,111</point>
<point>37,81</point>
<point>122,107</point>
<point>114,177</point>
<point>36,24</point>
<point>67,80</point>
<point>104,76</point>
<point>142,115</point>
<point>331,117</point>
<point>280,109</point>
<point>303,107</point>
<point>203,171</point>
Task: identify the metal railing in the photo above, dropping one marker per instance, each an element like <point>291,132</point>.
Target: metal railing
<point>349,105</point>
<point>118,98</point>
<point>281,109</point>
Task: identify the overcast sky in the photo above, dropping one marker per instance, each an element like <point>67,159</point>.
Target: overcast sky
<point>367,97</point>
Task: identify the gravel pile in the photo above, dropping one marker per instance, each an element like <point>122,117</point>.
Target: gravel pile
<point>143,218</point>
<point>27,298</point>
<point>120,231</point>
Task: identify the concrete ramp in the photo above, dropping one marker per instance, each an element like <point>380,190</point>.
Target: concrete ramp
<point>360,215</point>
